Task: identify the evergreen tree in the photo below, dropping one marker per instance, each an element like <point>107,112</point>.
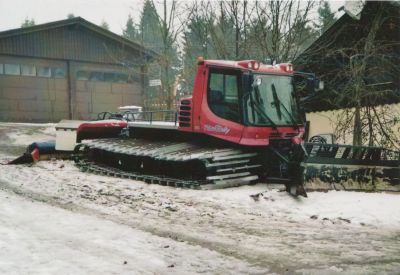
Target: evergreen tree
<point>326,16</point>
<point>150,28</point>
<point>150,37</point>
<point>223,36</point>
<point>130,32</point>
<point>28,23</point>
<point>159,34</point>
<point>104,25</point>
<point>196,42</point>
<point>257,49</point>
<point>70,15</point>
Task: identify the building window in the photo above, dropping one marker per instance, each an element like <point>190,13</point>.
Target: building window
<point>1,69</point>
<point>82,75</point>
<point>96,76</point>
<point>109,77</point>
<point>115,77</point>
<point>12,69</point>
<point>103,76</point>
<point>29,70</point>
<point>59,72</point>
<point>44,71</point>
<point>121,78</point>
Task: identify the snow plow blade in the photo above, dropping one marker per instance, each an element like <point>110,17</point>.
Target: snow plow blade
<point>41,151</point>
<point>68,133</point>
<point>345,167</point>
<point>35,152</point>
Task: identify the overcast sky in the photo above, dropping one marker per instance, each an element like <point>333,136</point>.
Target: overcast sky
<point>114,12</point>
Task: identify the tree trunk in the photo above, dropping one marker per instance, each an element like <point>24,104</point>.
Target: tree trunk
<point>357,132</point>
<point>359,72</point>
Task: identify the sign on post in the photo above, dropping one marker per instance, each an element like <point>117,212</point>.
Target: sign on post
<point>154,82</point>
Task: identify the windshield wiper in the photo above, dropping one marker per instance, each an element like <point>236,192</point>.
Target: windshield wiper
<point>260,111</point>
<point>277,101</point>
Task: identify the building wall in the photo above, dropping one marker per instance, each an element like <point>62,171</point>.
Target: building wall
<point>32,98</point>
<point>94,96</point>
<point>63,93</point>
<point>325,123</point>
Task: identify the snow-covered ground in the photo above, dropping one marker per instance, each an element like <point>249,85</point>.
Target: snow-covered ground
<point>56,219</point>
<point>39,238</point>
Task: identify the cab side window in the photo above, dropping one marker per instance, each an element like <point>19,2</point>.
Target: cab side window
<point>223,94</point>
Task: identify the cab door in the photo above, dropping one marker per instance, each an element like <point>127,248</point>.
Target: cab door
<point>221,107</point>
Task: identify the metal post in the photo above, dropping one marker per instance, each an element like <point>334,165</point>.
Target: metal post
<point>70,87</point>
<point>176,117</point>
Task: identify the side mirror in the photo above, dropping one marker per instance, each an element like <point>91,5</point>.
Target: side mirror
<point>257,82</point>
<point>310,88</point>
<point>307,83</point>
<point>319,85</point>
<point>314,85</point>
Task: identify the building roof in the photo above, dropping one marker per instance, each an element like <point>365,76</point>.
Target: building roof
<point>79,22</point>
<point>336,26</point>
<point>330,54</point>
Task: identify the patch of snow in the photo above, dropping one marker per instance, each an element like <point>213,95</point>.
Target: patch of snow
<point>22,124</point>
<point>263,233</point>
<point>359,207</point>
<point>253,227</point>
<point>354,8</point>
<point>29,135</point>
<point>41,239</point>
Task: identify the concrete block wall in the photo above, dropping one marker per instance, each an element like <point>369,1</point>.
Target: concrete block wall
<point>24,98</point>
<point>43,99</point>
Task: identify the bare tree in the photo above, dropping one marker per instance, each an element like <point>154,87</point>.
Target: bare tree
<point>196,41</point>
<point>362,75</point>
<point>171,26</point>
<point>237,12</point>
<point>234,30</point>
<point>280,28</point>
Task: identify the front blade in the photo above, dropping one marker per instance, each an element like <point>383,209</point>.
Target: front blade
<point>345,167</point>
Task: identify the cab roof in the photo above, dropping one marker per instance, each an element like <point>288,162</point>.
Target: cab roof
<point>251,65</point>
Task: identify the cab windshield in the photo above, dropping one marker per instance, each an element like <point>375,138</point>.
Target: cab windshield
<point>271,101</point>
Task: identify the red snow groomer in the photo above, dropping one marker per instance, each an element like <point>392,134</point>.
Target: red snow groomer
<point>243,124</point>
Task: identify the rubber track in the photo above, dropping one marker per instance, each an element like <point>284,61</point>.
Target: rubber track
<point>91,167</point>
<point>229,167</point>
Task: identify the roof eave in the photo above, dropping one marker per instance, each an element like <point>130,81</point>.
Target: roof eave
<point>79,20</point>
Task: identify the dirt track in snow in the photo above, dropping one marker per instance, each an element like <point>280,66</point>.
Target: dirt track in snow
<point>348,232</point>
